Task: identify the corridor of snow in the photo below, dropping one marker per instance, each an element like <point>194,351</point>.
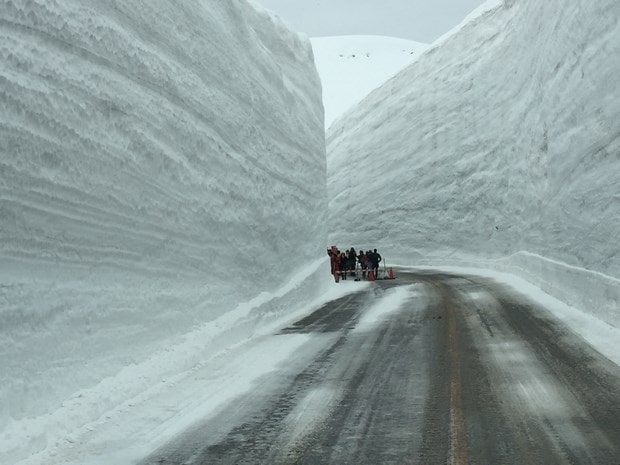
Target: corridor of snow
<point>166,197</point>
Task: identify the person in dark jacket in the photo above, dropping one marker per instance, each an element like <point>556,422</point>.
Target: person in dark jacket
<point>343,265</point>
<point>362,259</point>
<point>352,260</point>
<point>375,259</point>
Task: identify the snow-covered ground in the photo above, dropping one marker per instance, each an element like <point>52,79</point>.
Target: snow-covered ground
<point>352,66</point>
<point>496,149</point>
<point>162,176</point>
<point>209,369</point>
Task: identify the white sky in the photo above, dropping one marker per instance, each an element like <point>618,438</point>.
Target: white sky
<point>420,20</point>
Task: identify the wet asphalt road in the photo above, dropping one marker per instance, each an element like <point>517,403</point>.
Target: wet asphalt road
<point>467,372</point>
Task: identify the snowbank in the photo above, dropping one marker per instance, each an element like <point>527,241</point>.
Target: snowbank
<point>498,143</point>
<point>160,164</point>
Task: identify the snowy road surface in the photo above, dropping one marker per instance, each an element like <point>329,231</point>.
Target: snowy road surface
<point>426,369</point>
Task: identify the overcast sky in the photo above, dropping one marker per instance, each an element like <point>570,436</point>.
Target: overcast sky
<point>420,20</point>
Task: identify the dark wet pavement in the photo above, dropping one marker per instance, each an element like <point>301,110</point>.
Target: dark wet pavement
<point>466,372</point>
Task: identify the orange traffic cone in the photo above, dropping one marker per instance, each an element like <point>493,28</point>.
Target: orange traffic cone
<point>391,274</point>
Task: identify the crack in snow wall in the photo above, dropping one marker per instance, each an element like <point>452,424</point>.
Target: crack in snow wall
<point>160,163</point>
<point>499,139</point>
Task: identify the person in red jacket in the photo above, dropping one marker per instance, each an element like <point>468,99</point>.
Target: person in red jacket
<point>334,257</point>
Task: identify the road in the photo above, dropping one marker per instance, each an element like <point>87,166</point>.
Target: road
<point>465,372</point>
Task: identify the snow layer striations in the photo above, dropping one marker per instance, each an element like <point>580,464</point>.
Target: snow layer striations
<point>158,162</point>
<point>500,144</point>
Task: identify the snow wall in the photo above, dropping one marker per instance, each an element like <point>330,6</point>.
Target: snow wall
<point>161,163</point>
<point>498,147</point>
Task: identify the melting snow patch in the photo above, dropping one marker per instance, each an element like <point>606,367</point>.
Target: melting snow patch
<point>393,301</point>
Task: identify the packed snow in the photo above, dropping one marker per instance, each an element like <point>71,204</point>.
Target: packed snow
<point>352,66</point>
<point>162,176</point>
<point>496,149</point>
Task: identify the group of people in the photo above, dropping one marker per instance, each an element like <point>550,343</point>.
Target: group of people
<point>348,261</point>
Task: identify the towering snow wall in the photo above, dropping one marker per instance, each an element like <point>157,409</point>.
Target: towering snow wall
<point>500,143</point>
<point>161,162</point>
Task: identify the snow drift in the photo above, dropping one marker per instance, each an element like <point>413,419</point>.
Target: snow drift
<point>497,147</point>
<point>160,164</point>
